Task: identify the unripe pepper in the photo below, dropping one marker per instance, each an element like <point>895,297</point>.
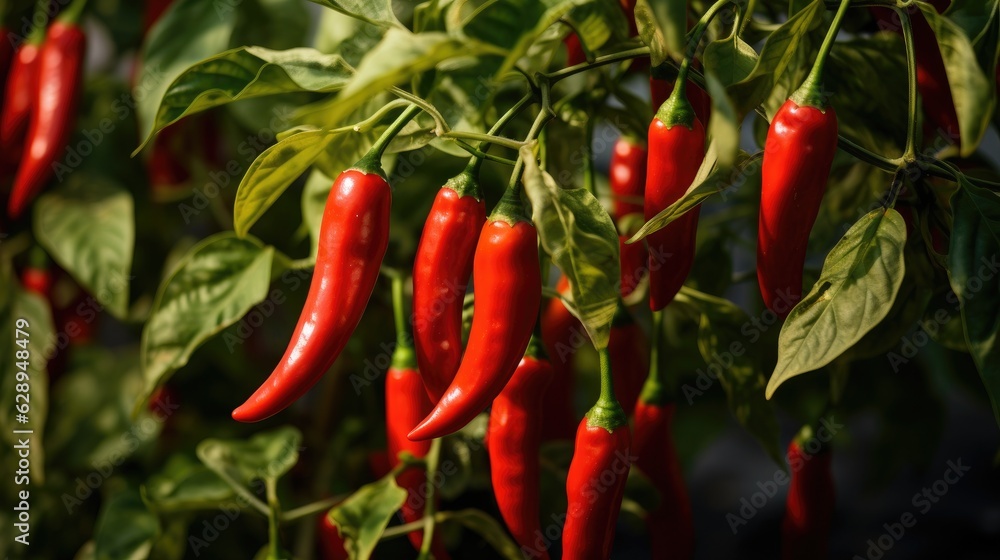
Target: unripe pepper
<point>353,238</point>
<point>676,150</point>
<point>514,446</point>
<point>670,525</point>
<point>595,484</point>
<point>627,175</point>
<point>563,334</point>
<point>629,358</point>
<point>441,273</point>
<point>406,404</point>
<point>53,115</point>
<point>507,281</point>
<point>805,529</point>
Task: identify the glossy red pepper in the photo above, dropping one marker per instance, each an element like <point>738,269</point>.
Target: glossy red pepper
<point>629,352</point>
<point>19,95</point>
<point>514,447</point>
<point>595,484</point>
<point>676,150</point>
<point>406,404</point>
<point>354,235</point>
<point>331,544</point>
<point>798,154</point>
<point>441,273</point>
<point>670,525</point>
<point>53,116</point>
<point>627,175</point>
<point>805,529</point>
<point>508,284</point>
<point>563,334</point>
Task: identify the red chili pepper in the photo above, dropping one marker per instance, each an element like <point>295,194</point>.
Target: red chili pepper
<point>595,484</point>
<point>805,530</point>
<point>676,149</point>
<point>406,404</point>
<point>331,544</point>
<point>574,50</point>
<point>627,174</point>
<point>563,334</point>
<point>354,235</point>
<point>508,283</point>
<point>699,99</point>
<point>440,275</point>
<point>514,444</point>
<point>19,95</point>
<point>633,264</point>
<point>798,154</point>
<point>670,525</point>
<point>53,116</point>
<point>37,280</point>
<point>629,358</point>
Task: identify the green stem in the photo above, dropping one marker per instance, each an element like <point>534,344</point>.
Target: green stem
<point>654,391</point>
<point>37,34</point>
<point>440,124</point>
<point>589,174</point>
<point>477,161</point>
<point>241,490</point>
<point>403,356</point>
<point>73,12</point>
<point>544,116</point>
<point>911,85</point>
<point>400,530</point>
<point>432,465</point>
<point>378,148</point>
<point>480,137</point>
<point>310,509</point>
<point>273,516</point>
<point>809,93</point>
<point>365,125</point>
<point>606,413</point>
<point>599,61</point>
<point>483,155</point>
<point>894,187</point>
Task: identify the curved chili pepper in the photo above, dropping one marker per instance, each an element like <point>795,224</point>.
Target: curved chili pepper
<point>562,333</point>
<point>19,95</point>
<point>353,238</point>
<point>406,404</point>
<point>595,484</point>
<point>676,150</point>
<point>53,116</point>
<point>508,283</point>
<point>805,529</point>
<point>629,358</point>
<point>331,544</point>
<point>514,444</point>
<point>627,175</point>
<point>798,155</point>
<point>441,273</point>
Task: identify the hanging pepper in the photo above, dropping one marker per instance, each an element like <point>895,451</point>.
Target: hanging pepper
<point>805,529</point>
<point>633,264</point>
<point>406,404</point>
<point>508,283</point>
<point>627,174</point>
<point>440,275</point>
<point>595,484</point>
<point>563,334</point>
<point>514,445</point>
<point>676,150</point>
<point>798,154</point>
<point>53,114</point>
<point>19,96</point>
<point>629,357</point>
<point>353,238</point>
<point>670,525</point>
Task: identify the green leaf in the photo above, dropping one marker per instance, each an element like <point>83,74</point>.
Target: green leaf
<point>185,485</point>
<point>712,178</point>
<point>856,289</point>
<point>650,32</point>
<point>36,340</point>
<point>662,27</point>
<point>265,456</point>
<point>778,53</point>
<point>246,73</point>
<point>487,527</point>
<point>314,197</point>
<point>730,60</point>
<point>576,231</point>
<point>971,89</point>
<point>99,258</point>
<point>272,172</point>
<point>722,343</point>
<point>973,263</point>
<point>375,12</point>
<point>125,528</point>
<point>218,281</point>
<point>362,517</point>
